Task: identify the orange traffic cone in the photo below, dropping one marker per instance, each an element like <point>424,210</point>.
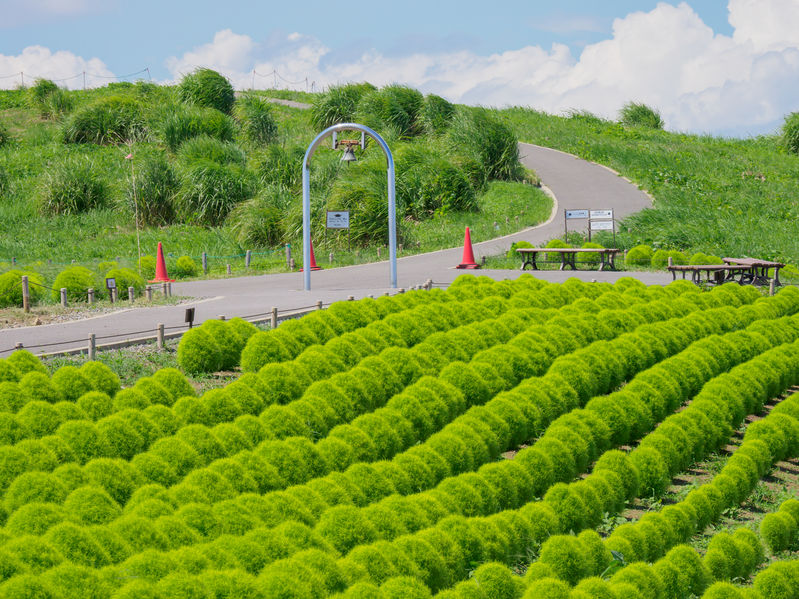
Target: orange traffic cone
<point>468,255</point>
<point>160,268</point>
<point>313,260</point>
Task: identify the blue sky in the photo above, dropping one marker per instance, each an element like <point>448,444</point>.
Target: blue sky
<point>708,65</point>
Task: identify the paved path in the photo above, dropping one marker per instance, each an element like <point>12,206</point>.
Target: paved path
<point>574,183</point>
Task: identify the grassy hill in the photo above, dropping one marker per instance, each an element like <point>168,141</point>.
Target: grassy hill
<point>714,195</point>
<point>66,187</point>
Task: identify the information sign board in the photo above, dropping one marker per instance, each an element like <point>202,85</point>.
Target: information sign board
<point>339,219</point>
<point>577,214</point>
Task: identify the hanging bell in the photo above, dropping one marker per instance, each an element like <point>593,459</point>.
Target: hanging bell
<point>349,155</point>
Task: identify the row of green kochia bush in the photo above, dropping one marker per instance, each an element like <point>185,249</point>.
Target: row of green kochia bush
<point>681,572</point>
<point>780,580</point>
<point>280,536</point>
<point>441,555</point>
<point>287,457</point>
<point>215,345</point>
<point>133,429</point>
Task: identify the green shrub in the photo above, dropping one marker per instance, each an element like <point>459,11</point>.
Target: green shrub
<point>155,187</point>
<point>11,287</point>
<point>181,124</point>
<point>700,258</point>
<point>640,255</point>
<point>71,186</point>
<point>634,114</point>
<point>174,382</point>
<point>76,280</point>
<point>147,266</point>
<point>590,258</point>
<point>124,278</point>
<point>30,487</point>
<point>185,266</point>
<point>207,88</point>
<point>84,439</point>
<point>91,505</point>
<point>110,120</point>
<point>260,221</point>
<point>436,114</point>
<point>486,142</point>
<point>338,105</point>
<point>209,191</point>
<point>790,132</point>
<point>257,121</point>
<point>556,243</point>
<point>393,107</point>
<point>70,383</point>
<point>723,590</point>
<point>547,588</point>
<point>5,138</point>
<point>37,386</point>
<point>35,519</point>
<point>205,147</point>
<point>38,92</point>
<point>778,581</point>
<point>778,530</point>
<point>24,362</point>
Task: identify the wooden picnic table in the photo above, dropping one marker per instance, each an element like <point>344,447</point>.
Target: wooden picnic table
<point>568,256</point>
<point>758,270</point>
<point>720,273</point>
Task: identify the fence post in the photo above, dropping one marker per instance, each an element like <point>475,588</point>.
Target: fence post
<point>318,304</point>
<point>771,287</point>
<point>92,346</point>
<point>350,298</point>
<point>131,294</point>
<point>288,257</point>
<point>274,318</point>
<point>18,345</point>
<point>291,264</point>
<point>159,341</point>
<point>26,295</point>
<point>164,289</point>
<point>330,257</point>
<point>221,317</point>
<point>112,294</point>
<point>205,263</point>
<point>229,272</point>
<point>90,295</point>
<point>148,292</point>
<point>169,289</point>
<point>247,258</point>
<point>63,297</point>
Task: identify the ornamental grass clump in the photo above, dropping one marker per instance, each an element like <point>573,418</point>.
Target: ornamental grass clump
<point>338,105</point>
<point>209,190</point>
<point>153,195</point>
<point>635,114</point>
<point>790,133</point>
<point>72,186</point>
<point>183,123</point>
<point>207,88</point>
<point>256,119</point>
<point>106,121</point>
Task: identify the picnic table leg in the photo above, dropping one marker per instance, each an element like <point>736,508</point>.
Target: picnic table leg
<point>604,258</point>
<point>674,275</point>
<point>777,277</point>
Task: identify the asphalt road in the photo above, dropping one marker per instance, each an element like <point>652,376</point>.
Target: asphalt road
<point>574,183</point>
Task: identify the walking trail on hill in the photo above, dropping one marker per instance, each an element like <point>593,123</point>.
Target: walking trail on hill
<point>573,182</point>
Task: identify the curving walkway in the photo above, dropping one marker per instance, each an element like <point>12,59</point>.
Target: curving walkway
<point>575,183</point>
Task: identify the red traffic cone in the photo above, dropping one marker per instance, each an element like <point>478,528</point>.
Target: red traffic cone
<point>468,255</point>
<point>160,268</point>
<point>314,266</point>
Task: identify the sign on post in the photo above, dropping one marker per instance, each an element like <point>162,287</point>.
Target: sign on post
<point>601,220</point>
<point>339,219</point>
<point>601,214</point>
<point>601,225</point>
<point>576,214</point>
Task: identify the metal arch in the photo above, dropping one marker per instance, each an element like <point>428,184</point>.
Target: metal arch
<point>306,200</point>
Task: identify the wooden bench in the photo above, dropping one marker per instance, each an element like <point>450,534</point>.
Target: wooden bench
<point>758,270</point>
<point>720,273</point>
<point>568,256</point>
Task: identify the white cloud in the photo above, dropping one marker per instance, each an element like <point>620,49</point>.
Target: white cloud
<point>62,66</point>
<point>667,57</point>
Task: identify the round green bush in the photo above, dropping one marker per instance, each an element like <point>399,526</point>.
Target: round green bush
<point>32,487</point>
<point>700,258</point>
<point>185,267</point>
<point>70,383</point>
<point>640,255</point>
<point>547,588</point>
<point>636,114</point>
<point>174,382</point>
<point>567,558</point>
<point>778,530</point>
<point>723,590</point>
<point>11,287</point>
<point>207,88</point>
<point>38,386</point>
<point>404,587</point>
<point>91,505</point>
<point>199,352</point>
<point>338,105</point>
<point>24,362</point>
<point>101,377</point>
<point>76,280</point>
<point>778,581</point>
<point>790,132</point>
<point>35,519</point>
<point>84,439</point>
<point>110,120</point>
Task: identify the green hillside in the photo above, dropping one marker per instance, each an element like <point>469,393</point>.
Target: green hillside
<point>720,196</point>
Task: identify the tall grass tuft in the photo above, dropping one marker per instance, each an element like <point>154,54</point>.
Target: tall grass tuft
<point>258,222</point>
<point>256,118</point>
<point>49,100</point>
<point>394,106</point>
<point>155,187</point>
<point>436,114</point>
<point>634,114</point>
<point>489,147</point>
<point>209,191</point>
<point>281,166</point>
<point>112,120</point>
<point>790,132</point>
<point>183,123</point>
<point>338,105</point>
<point>5,134</point>
<point>204,147</point>
<point>71,186</point>
<point>207,88</point>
